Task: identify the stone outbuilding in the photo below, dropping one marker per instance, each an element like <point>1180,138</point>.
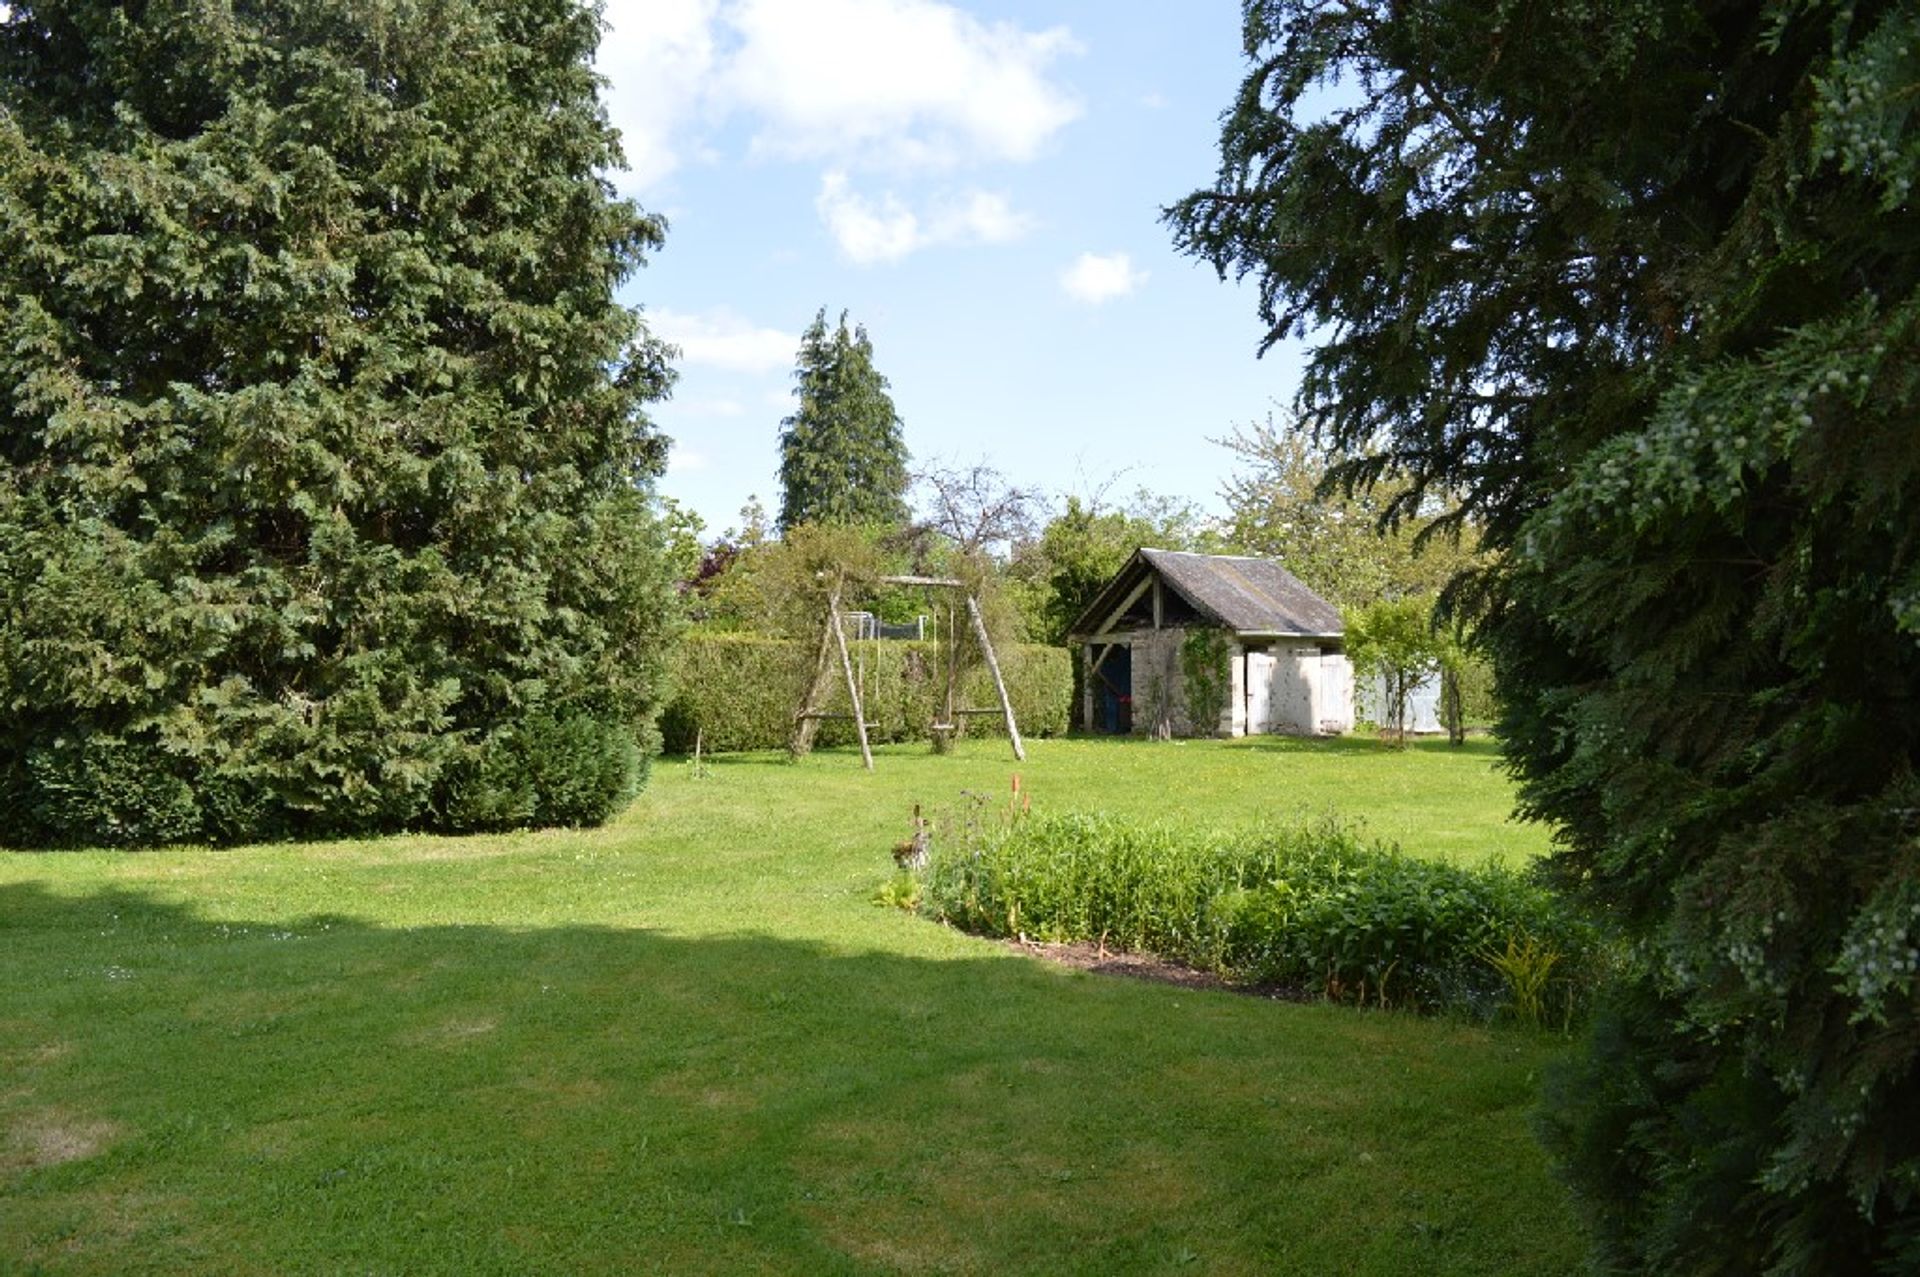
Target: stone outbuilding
<point>1184,644</point>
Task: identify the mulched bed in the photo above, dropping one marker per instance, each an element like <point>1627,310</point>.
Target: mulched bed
<point>1084,956</point>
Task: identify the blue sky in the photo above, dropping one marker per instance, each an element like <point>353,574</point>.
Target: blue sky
<point>980,185</point>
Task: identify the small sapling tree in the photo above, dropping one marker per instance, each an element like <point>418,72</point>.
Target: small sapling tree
<point>1393,641</point>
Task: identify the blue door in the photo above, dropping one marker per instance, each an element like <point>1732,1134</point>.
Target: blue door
<point>1113,692</point>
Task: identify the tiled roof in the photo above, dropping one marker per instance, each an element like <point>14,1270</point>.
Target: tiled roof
<point>1247,595</point>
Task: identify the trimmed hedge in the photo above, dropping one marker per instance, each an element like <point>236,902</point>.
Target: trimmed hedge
<point>739,691</point>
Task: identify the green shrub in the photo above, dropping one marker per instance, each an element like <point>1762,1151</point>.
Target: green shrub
<point>1312,906</point>
<point>332,483</point>
<point>567,769</point>
<point>739,691</point>
<point>106,791</point>
<point>583,769</point>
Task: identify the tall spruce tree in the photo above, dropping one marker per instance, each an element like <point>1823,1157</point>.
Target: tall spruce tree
<point>322,452</point>
<point>842,458</point>
<point>1640,283</point>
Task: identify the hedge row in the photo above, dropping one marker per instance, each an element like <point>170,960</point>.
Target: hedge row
<point>739,691</point>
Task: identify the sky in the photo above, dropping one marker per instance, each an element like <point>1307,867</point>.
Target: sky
<point>980,185</point>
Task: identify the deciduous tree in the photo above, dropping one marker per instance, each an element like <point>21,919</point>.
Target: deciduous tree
<point>1394,641</point>
<point>1285,502</point>
<point>975,509</point>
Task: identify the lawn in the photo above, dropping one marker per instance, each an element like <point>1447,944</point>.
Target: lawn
<point>688,1043</point>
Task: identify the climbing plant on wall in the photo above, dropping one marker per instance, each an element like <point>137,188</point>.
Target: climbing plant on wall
<point>1208,680</point>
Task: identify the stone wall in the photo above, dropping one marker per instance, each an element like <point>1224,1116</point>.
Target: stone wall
<point>1160,702</point>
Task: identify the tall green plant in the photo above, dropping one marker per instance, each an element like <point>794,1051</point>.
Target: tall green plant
<point>842,457</point>
<point>322,437</point>
<point>1641,284</point>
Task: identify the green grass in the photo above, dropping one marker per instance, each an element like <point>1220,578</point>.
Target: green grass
<point>688,1043</point>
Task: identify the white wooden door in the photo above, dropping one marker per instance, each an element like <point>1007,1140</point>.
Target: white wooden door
<point>1259,693</point>
<point>1335,712</point>
<point>1294,676</point>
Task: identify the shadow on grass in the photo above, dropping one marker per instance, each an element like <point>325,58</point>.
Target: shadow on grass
<point>186,1094</point>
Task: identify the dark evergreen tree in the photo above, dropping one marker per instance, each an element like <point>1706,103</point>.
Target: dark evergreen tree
<point>323,463</point>
<point>842,458</point>
<point>1639,283</point>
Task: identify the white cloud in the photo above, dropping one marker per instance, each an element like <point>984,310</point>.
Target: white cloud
<point>867,231</point>
<point>986,218</point>
<point>722,339</point>
<point>657,59</point>
<point>909,83</point>
<point>886,229</point>
<point>902,84</point>
<point>1094,278</point>
<point>686,461</point>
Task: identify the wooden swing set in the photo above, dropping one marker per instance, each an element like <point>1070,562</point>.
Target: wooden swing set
<point>833,638</point>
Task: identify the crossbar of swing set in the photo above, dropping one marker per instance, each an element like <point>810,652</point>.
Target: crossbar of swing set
<point>941,582</point>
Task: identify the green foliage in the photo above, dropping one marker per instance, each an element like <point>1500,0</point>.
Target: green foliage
<point>1641,284</point>
<point>544,769</point>
<point>321,431</point>
<point>107,791</point>
<point>782,587</point>
<point>739,691</point>
<point>1312,906</point>
<point>902,891</point>
<point>1527,966</point>
<point>1205,676</point>
<point>1056,577</point>
<point>680,529</point>
<point>1285,503</point>
<point>1394,640</point>
<point>842,458</point>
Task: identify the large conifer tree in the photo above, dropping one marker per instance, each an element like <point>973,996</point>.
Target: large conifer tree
<point>842,458</point>
<point>322,453</point>
<point>1642,282</point>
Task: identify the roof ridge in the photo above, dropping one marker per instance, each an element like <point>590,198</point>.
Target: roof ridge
<point>1200,554</point>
